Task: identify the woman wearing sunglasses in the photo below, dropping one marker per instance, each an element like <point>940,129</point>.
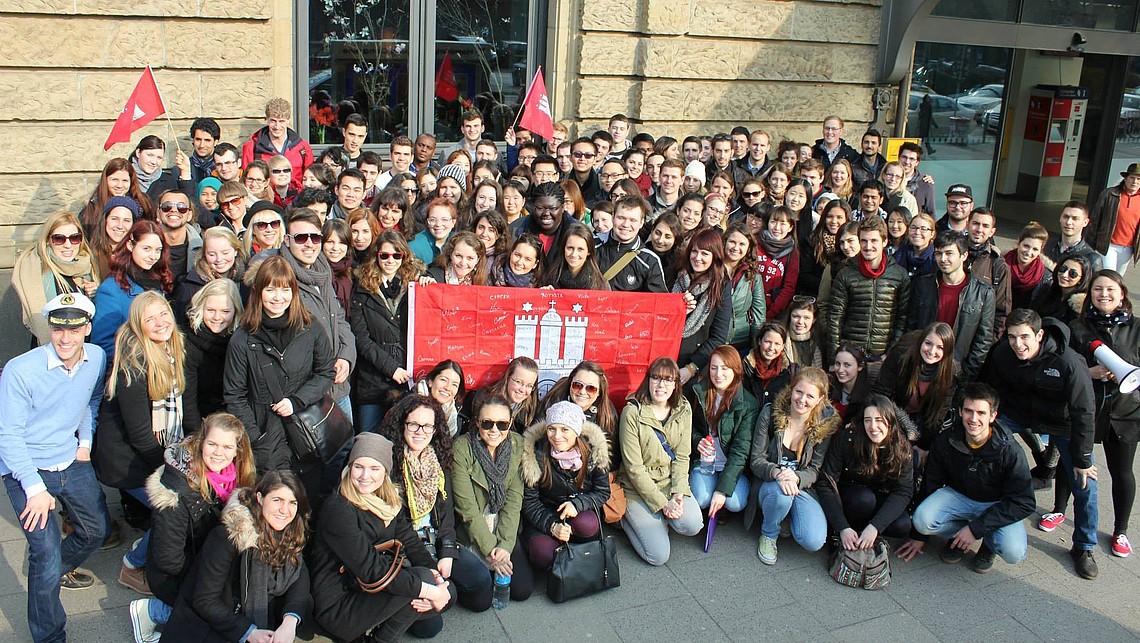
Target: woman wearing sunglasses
<point>379,319</point>
<point>232,204</point>
<point>519,386</point>
<point>488,501</point>
<point>59,262</point>
<point>1062,300</point>
<point>265,228</point>
<point>589,388</point>
<point>280,181</point>
<point>656,443</point>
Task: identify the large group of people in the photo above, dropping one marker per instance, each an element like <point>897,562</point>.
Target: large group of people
<point>852,366</point>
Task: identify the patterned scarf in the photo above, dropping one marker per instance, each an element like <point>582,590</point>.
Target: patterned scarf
<point>166,418</point>
<point>1108,320</point>
<point>495,469</point>
<point>700,291</point>
<point>423,483</point>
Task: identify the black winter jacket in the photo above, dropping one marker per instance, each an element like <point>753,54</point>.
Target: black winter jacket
<point>845,152</point>
<point>841,464</point>
<point>345,536</point>
<point>997,472</point>
<point>540,503</point>
<point>305,370</point>
<point>870,313</point>
<point>380,326</point>
<point>1116,412</point>
<point>893,384</point>
<point>208,609</point>
<point>1050,393</point>
<point>698,347</point>
<point>642,274</point>
<point>205,371</point>
<point>125,450</point>
<point>973,327</point>
<point>180,521</point>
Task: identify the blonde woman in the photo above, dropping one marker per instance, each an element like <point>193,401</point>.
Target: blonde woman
<point>213,317</point>
<point>59,262</point>
<point>142,414</point>
<point>222,257</point>
<point>265,225</point>
<point>280,178</point>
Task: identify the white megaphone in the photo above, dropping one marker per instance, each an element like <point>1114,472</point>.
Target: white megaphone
<point>1125,373</point>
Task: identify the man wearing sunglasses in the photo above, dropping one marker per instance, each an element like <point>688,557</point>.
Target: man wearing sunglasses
<point>302,249</point>
<point>182,240</point>
<point>582,155</point>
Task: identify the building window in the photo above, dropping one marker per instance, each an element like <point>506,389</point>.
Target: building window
<point>1114,15</point>
<point>999,10</point>
<point>370,57</point>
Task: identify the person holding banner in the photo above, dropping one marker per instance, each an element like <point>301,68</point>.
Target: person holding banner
<point>708,301</point>
<point>462,262</point>
<point>521,267</point>
<point>573,264</point>
<point>656,440</point>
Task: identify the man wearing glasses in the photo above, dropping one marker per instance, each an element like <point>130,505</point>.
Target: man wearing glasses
<point>832,147</point>
<point>582,154</point>
<point>959,204</point>
<point>183,241</point>
<point>227,162</point>
<point>302,249</point>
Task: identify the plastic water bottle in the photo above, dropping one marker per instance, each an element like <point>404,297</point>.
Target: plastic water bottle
<point>502,593</point>
<point>708,459</point>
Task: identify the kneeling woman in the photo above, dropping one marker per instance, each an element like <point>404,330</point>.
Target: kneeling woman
<point>788,447</point>
<point>722,433</point>
<point>656,439</point>
<point>488,499</point>
<point>565,465</point>
<point>250,582</point>
<point>872,468</point>
<point>187,495</point>
<point>363,513</point>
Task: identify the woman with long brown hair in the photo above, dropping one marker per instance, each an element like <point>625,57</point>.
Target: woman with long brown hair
<point>871,467</point>
<point>277,332</point>
<point>117,179</point>
<point>250,581</point>
<point>139,263</point>
<point>708,301</point>
<point>920,376</point>
<point>749,308</point>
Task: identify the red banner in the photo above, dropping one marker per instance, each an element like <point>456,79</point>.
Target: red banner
<point>536,115</point>
<point>483,328</point>
<point>445,86</point>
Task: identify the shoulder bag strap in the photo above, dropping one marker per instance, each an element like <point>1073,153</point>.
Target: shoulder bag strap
<point>620,264</point>
<point>272,379</point>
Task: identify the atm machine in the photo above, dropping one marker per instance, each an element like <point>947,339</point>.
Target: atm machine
<point>1053,128</point>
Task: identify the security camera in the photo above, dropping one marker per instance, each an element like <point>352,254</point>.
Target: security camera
<point>1078,42</point>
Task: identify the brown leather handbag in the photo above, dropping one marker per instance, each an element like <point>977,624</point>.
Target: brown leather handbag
<point>393,548</point>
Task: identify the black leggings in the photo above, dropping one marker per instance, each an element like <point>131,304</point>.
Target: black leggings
<point>859,506</point>
<point>1118,456</point>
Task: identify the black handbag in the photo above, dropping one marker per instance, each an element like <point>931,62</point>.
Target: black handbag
<point>315,433</point>
<point>581,569</point>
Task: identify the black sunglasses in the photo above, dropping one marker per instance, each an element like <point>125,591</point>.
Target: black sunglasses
<point>60,239</point>
<point>308,237</point>
<point>491,425</point>
<point>170,206</point>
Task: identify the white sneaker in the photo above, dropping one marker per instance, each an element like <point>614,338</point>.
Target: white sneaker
<point>145,630</point>
<point>766,550</point>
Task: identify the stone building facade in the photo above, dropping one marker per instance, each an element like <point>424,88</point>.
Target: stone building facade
<point>67,67</point>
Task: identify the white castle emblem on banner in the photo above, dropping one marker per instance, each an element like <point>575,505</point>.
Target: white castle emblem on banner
<point>555,343</point>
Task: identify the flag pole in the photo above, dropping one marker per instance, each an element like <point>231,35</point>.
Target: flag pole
<point>537,70</point>
<point>165,111</point>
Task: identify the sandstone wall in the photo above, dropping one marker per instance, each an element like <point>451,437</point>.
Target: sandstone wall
<point>68,66</point>
<point>700,66</point>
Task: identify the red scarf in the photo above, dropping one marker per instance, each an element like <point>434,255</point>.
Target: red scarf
<point>767,372</point>
<point>868,271</point>
<point>1023,280</point>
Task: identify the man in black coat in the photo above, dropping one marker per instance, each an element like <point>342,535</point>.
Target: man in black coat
<point>638,269</point>
<point>975,487</point>
<point>1046,391</point>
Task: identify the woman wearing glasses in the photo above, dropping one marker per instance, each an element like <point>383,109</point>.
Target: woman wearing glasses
<point>379,321</point>
<point>488,491</point>
<point>255,178</point>
<point>893,178</point>
<point>656,442</point>
<point>232,203</point>
<point>265,224</point>
<point>519,386</point>
<point>916,254</point>
<point>59,262</point>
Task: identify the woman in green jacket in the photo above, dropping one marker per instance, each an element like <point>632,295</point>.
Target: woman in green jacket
<point>748,306</point>
<point>488,489</point>
<point>655,434</point>
<point>723,420</point>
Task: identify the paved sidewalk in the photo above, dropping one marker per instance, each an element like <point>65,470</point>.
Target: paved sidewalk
<point>728,595</point>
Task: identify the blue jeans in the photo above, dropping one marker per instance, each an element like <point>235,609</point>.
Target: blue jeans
<point>704,485</point>
<point>136,557</point>
<point>1085,510</point>
<point>345,405</point>
<point>159,611</point>
<point>369,417</point>
<point>809,525</point>
<point>48,558</point>
<point>946,511</point>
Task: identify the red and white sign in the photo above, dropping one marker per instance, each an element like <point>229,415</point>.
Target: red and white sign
<point>537,116</point>
<point>144,105</point>
<point>483,328</point>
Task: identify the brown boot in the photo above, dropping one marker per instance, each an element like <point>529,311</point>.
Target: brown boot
<point>134,579</point>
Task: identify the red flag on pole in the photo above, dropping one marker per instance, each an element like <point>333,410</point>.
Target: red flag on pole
<point>445,86</point>
<point>144,105</point>
<point>536,109</point>
<point>483,328</point>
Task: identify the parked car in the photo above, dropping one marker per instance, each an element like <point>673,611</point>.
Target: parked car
<point>981,98</point>
<point>991,119</point>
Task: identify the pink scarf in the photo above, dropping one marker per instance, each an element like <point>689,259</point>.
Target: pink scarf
<point>223,482</point>
<point>569,460</point>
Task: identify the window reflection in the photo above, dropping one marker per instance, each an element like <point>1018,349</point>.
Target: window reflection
<point>1114,15</point>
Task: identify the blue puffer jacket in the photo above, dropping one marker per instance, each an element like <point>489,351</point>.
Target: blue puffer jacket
<point>111,306</point>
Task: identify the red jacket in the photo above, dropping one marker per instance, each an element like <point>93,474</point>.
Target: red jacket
<point>298,152</point>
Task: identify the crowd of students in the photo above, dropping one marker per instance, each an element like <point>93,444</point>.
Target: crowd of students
<point>227,293</point>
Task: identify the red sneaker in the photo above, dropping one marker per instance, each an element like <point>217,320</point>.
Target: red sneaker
<point>1051,521</point>
<point>1120,546</point>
